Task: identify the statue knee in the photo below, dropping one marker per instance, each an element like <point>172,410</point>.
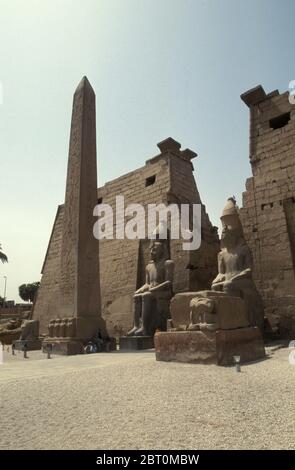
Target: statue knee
<point>147,297</point>
<point>217,287</point>
<point>230,288</point>
<point>227,286</point>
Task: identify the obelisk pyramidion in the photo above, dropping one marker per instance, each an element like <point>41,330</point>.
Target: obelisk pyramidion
<point>79,269</point>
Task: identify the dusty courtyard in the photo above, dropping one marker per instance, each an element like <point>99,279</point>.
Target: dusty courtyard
<point>131,401</point>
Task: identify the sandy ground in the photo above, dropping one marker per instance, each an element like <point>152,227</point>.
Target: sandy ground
<point>131,401</point>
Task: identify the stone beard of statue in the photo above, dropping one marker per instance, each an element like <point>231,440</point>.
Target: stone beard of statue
<point>152,300</point>
<point>235,266</point>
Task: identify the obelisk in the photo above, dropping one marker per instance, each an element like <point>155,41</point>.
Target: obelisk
<point>79,268</point>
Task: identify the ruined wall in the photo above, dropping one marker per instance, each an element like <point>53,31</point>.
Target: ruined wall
<point>268,213</point>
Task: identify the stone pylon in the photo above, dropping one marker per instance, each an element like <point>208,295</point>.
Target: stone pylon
<point>69,295</point>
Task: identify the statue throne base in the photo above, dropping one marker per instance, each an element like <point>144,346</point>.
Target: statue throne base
<point>217,347</point>
<point>136,343</point>
<point>209,328</point>
<point>69,336</point>
<point>63,346</point>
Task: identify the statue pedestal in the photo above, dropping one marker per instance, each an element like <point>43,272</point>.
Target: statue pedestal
<point>202,347</point>
<point>29,344</point>
<point>186,346</point>
<point>136,343</point>
<point>244,342</point>
<point>72,346</point>
<point>63,346</point>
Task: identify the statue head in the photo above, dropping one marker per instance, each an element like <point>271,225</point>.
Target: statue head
<point>231,225</point>
<point>157,250</point>
<point>159,246</point>
<point>229,237</point>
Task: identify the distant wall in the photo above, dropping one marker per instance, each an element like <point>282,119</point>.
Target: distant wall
<point>12,312</point>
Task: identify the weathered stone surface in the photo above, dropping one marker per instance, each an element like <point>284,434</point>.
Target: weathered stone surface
<point>194,270</point>
<point>232,313</point>
<point>152,299</point>
<point>180,308</point>
<point>210,347</point>
<point>75,250</point>
<point>8,336</point>
<point>244,342</point>
<point>63,346</point>
<point>186,346</point>
<point>29,344</point>
<point>235,266</point>
<point>228,312</point>
<point>10,331</point>
<point>29,330</point>
<point>136,343</point>
<point>79,280</point>
<point>122,261</point>
<point>268,213</point>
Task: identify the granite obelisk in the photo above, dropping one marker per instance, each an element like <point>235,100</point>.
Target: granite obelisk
<point>77,316</point>
<point>79,285</point>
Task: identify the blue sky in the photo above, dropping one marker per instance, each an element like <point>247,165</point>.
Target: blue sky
<point>159,68</point>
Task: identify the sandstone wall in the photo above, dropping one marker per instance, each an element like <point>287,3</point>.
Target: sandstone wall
<point>44,308</point>
<point>122,262</point>
<point>195,269</point>
<point>268,213</point>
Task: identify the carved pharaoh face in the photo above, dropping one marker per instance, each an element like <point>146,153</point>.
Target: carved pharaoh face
<point>156,250</point>
<point>229,236</point>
